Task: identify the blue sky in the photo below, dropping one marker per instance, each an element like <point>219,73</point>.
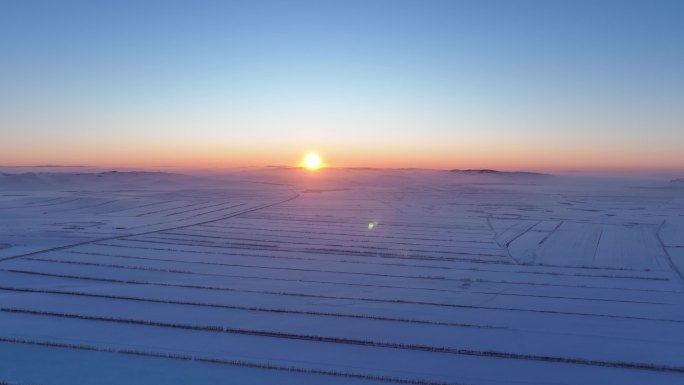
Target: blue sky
<point>507,84</point>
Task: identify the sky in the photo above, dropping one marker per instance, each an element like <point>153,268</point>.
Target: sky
<point>536,85</point>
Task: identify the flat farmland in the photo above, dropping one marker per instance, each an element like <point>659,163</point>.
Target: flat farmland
<point>339,277</point>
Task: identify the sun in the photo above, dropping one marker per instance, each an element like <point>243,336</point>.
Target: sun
<point>312,161</point>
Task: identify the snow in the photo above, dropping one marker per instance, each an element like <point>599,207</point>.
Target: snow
<point>275,276</point>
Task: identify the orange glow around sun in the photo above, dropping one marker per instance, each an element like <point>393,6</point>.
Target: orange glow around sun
<point>312,161</point>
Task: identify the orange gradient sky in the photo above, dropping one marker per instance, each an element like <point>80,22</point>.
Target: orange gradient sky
<point>222,154</point>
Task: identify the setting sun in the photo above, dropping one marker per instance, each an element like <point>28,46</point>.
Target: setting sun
<point>312,161</point>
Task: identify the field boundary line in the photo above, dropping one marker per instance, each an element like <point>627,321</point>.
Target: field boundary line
<point>149,232</point>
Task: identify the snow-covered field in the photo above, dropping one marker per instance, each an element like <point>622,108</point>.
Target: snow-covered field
<point>282,276</point>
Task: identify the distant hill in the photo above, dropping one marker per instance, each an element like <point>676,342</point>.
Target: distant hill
<point>108,180</point>
<point>499,173</point>
<point>678,182</point>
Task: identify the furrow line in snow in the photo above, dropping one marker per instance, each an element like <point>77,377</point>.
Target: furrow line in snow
<point>150,232</point>
<point>370,343</point>
<point>363,299</point>
<point>307,230</point>
<point>417,277</point>
<point>498,258</point>
<point>306,233</point>
<point>361,244</point>
<point>238,363</point>
<point>203,208</point>
<point>348,254</point>
<point>298,280</point>
<point>167,209</point>
<point>317,236</point>
<point>247,308</point>
<point>260,256</point>
<point>233,265</point>
<point>353,262</point>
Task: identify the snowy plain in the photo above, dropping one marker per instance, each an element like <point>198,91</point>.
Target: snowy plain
<point>339,276</point>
